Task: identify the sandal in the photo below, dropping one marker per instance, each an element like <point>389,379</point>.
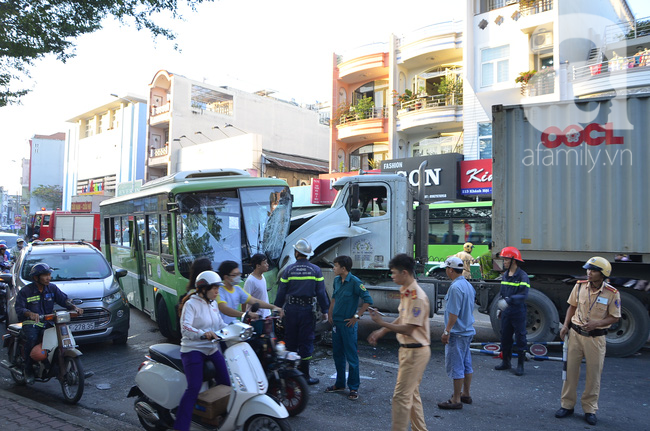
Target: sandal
<point>465,400</point>
<point>450,405</point>
<point>333,388</point>
<point>354,395</point>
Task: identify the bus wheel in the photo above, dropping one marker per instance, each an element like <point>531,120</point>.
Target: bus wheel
<point>162,318</point>
<point>542,319</point>
<point>630,333</point>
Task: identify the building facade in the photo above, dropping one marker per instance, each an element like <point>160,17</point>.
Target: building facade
<point>431,91</point>
<point>195,125</point>
<point>105,146</point>
<point>46,167</point>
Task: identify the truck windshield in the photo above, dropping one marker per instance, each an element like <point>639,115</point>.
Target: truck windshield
<point>232,224</point>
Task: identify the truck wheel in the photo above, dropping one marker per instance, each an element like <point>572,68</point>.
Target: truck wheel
<point>629,334</point>
<point>542,319</point>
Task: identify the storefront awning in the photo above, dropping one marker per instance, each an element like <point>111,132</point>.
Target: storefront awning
<point>295,163</point>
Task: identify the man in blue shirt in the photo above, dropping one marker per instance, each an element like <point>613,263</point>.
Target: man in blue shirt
<point>514,291</point>
<point>301,285</point>
<point>344,317</point>
<point>458,334</point>
<point>34,300</point>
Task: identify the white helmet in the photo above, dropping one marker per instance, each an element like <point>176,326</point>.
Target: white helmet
<point>208,278</point>
<point>302,246</point>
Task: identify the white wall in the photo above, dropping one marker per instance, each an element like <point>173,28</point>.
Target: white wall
<point>46,167</point>
<point>242,152</point>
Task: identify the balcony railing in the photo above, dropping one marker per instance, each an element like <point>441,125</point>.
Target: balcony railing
<point>351,117</point>
<point>627,30</point>
<point>431,102</point>
<point>540,84</point>
<point>539,6</point>
<point>612,66</point>
<point>157,110</point>
<point>157,152</point>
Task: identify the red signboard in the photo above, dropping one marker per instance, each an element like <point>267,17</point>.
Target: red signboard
<point>476,177</point>
<point>81,207</point>
<point>322,192</point>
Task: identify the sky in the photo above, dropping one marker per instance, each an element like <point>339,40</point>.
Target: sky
<point>284,45</point>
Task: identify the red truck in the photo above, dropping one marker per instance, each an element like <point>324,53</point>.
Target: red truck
<point>66,225</point>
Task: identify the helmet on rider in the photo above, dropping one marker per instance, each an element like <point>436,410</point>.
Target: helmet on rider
<point>468,247</point>
<point>303,247</point>
<point>37,353</point>
<point>599,264</point>
<point>511,253</point>
<point>39,269</point>
<point>208,278</point>
<point>3,246</point>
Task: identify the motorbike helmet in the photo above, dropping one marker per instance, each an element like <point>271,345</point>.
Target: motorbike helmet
<point>20,240</point>
<point>599,264</point>
<point>208,278</point>
<point>468,247</point>
<point>512,253</point>
<point>303,247</point>
<point>40,268</point>
<point>3,246</point>
<point>37,353</point>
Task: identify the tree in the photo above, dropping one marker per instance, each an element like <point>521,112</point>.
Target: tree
<point>31,29</point>
<point>52,195</point>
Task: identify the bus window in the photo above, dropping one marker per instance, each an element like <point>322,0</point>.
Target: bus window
<point>153,237</point>
<point>265,212</point>
<point>165,227</point>
<point>126,239</point>
<point>114,229</point>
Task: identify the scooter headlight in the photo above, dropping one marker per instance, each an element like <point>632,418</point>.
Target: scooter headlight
<point>246,333</point>
<point>62,317</point>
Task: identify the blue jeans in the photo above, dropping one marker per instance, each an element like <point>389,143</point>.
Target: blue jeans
<point>193,366</point>
<point>458,357</point>
<point>344,347</point>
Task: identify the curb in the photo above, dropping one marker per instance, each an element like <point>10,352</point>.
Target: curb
<point>4,394</point>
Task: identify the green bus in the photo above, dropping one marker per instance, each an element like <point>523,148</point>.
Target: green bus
<point>156,233</point>
<point>453,224</point>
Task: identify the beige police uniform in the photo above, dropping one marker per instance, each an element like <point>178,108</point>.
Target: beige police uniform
<point>595,305</point>
<point>407,405</point>
<point>467,263</point>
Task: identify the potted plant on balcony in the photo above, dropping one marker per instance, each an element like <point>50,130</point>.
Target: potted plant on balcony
<point>452,87</point>
<point>364,108</point>
<point>523,79</point>
<point>407,96</point>
<point>343,114</point>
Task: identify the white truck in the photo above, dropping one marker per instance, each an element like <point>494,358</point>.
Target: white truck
<point>569,183</point>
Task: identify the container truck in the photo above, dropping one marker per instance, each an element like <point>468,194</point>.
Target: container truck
<point>569,184</point>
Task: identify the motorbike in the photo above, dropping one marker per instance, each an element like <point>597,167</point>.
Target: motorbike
<point>5,282</point>
<point>62,358</point>
<point>160,384</point>
<point>286,383</point>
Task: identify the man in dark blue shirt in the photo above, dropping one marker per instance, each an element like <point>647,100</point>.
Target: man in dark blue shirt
<point>301,283</point>
<point>35,300</point>
<point>514,291</point>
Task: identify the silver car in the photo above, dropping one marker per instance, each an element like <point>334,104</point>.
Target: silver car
<point>82,272</point>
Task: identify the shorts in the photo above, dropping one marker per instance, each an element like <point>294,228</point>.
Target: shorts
<point>458,358</point>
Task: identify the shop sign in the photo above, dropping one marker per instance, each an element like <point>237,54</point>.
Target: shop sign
<point>441,173</point>
<point>476,177</point>
<point>322,192</point>
<point>81,207</point>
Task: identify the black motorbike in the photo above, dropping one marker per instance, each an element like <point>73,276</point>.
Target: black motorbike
<point>286,383</point>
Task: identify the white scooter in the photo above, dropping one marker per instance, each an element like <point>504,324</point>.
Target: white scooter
<point>160,384</point>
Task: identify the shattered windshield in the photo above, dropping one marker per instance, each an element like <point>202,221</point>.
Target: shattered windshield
<point>227,225</point>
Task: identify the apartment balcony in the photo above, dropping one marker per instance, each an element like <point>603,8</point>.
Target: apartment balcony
<point>367,125</point>
<point>541,84</point>
<point>526,7</point>
<point>158,156</point>
<point>438,111</point>
<point>160,114</point>
<point>444,39</point>
<point>620,73</point>
<point>365,63</point>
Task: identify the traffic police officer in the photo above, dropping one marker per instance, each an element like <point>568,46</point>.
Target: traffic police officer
<point>593,307</point>
<point>514,291</point>
<point>300,284</point>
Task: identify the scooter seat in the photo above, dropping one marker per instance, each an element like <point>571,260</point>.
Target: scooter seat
<point>168,354</point>
<point>14,328</point>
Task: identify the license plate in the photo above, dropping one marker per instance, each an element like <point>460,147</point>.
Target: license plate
<point>86,326</point>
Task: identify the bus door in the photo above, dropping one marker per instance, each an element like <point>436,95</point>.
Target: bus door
<point>146,290</point>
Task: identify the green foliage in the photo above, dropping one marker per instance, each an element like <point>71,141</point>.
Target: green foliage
<point>450,85</point>
<point>31,29</point>
<point>524,77</point>
<point>364,108</point>
<point>401,98</point>
<point>52,195</point>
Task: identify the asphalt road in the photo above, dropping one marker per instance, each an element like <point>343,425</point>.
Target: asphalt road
<point>501,400</point>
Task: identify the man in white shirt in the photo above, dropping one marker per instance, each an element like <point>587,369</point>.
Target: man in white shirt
<point>255,284</point>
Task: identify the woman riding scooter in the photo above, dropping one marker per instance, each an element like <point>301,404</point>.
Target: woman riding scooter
<point>199,324</point>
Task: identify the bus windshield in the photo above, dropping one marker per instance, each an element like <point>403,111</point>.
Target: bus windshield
<point>232,224</point>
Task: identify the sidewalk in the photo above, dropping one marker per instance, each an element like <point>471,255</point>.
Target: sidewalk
<point>19,413</point>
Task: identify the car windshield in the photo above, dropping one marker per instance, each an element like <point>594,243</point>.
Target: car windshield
<point>70,266</point>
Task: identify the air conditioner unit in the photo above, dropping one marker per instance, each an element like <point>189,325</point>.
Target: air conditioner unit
<point>542,41</point>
